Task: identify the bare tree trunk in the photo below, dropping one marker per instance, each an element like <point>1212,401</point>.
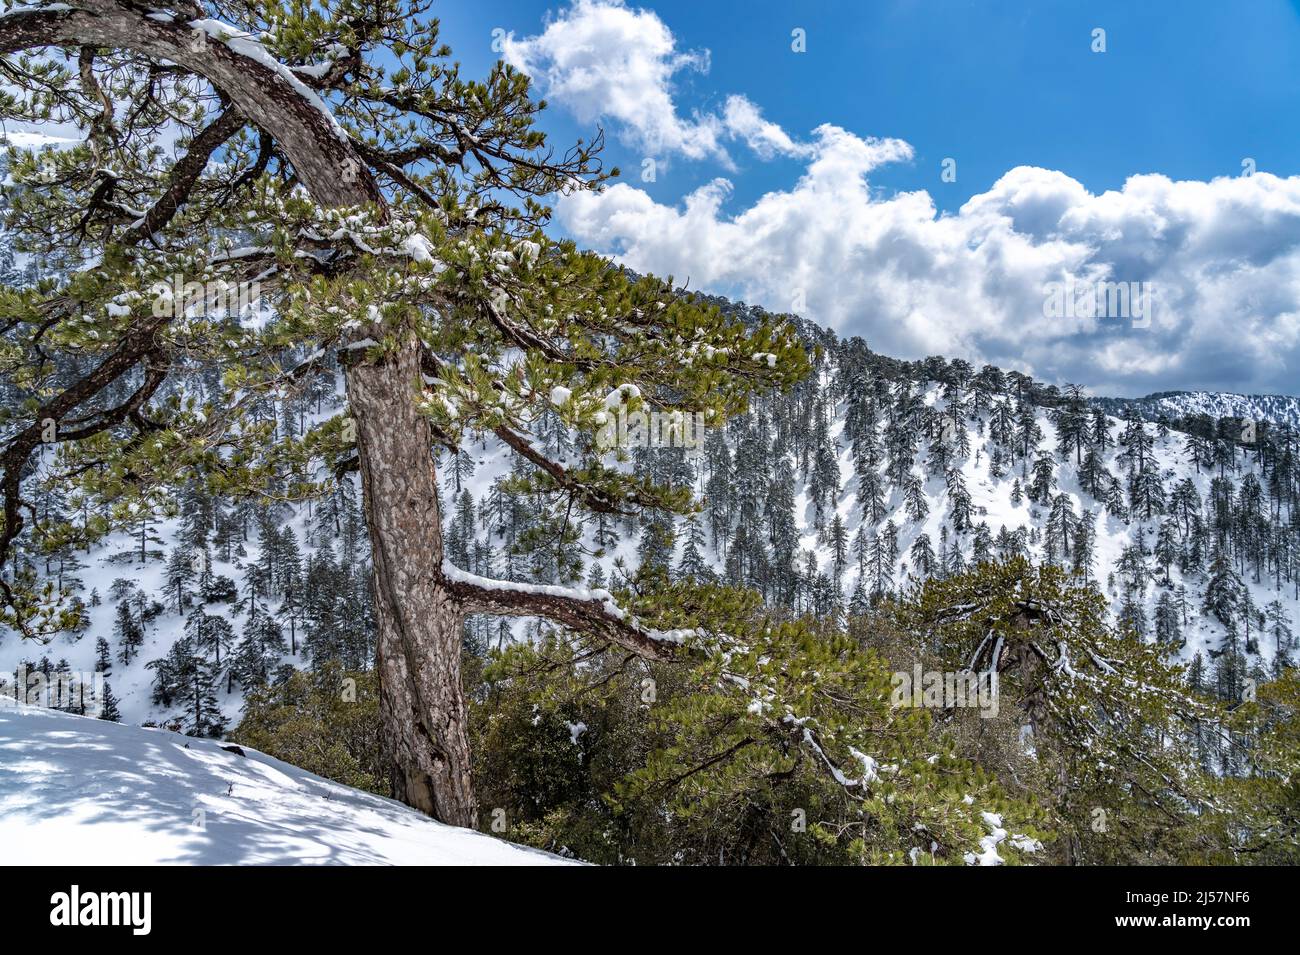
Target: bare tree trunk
<point>422,707</point>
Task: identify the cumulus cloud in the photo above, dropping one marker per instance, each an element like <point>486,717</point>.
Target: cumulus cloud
<point>601,59</point>
<point>743,120</point>
<point>1212,269</point>
<point>1218,261</point>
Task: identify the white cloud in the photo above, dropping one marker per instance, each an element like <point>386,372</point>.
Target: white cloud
<point>1223,258</point>
<point>601,59</point>
<point>743,120</point>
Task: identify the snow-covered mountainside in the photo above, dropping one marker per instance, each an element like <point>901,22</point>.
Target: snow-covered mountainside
<point>110,794</point>
<point>872,474</point>
<point>1173,405</point>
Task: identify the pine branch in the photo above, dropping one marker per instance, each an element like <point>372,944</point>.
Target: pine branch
<point>592,612</point>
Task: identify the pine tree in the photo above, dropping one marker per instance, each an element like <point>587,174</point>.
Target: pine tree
<point>103,657</point>
<point>1071,422</point>
<point>657,543</point>
<point>1099,747</point>
<point>185,684</point>
<point>692,563</point>
<point>1061,528</point>
<point>914,499</point>
<point>1279,628</point>
<point>960,507</point>
<point>1167,548</point>
<point>1085,537</point>
<point>179,576</point>
<point>1168,628</point>
<point>1223,596</point>
<point>858,604</point>
<point>129,633</point>
<point>1093,475</point>
<point>445,266</point>
<point>108,708</point>
<point>922,556</point>
<point>258,652</point>
<point>210,635</point>
<point>1044,480</point>
<point>836,539</point>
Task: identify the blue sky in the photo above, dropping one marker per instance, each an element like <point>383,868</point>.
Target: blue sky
<point>1187,88</point>
<point>1104,193</point>
<point>1125,218</point>
<point>811,181</point>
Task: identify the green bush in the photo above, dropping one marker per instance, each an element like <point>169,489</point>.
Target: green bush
<point>325,721</point>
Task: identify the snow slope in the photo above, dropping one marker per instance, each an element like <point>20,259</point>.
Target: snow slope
<point>992,500</point>
<point>1279,409</point>
<point>76,788</point>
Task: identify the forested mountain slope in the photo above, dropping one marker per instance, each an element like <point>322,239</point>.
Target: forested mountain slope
<point>873,474</point>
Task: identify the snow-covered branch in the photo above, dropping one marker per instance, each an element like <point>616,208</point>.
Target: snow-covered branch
<point>593,612</point>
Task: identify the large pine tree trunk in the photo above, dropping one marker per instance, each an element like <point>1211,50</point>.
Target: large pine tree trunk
<point>422,708</point>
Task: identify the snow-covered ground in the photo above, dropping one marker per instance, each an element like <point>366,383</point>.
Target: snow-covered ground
<point>1278,409</point>
<point>78,789</point>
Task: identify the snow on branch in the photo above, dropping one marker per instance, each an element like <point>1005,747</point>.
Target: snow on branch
<point>590,611</point>
<point>870,768</point>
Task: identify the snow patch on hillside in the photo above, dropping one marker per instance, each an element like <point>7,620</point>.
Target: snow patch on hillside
<point>1278,409</point>
<point>104,793</point>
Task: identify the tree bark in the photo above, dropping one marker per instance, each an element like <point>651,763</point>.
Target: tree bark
<point>321,156</point>
<point>419,609</point>
<point>418,620</point>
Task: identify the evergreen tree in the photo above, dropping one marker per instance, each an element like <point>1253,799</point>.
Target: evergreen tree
<point>1224,597</point>
<point>433,249</point>
<point>179,576</point>
<point>108,705</point>
<point>129,633</point>
<point>1098,745</point>
<point>258,653</point>
<point>1168,627</point>
<point>922,556</point>
<point>103,657</point>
